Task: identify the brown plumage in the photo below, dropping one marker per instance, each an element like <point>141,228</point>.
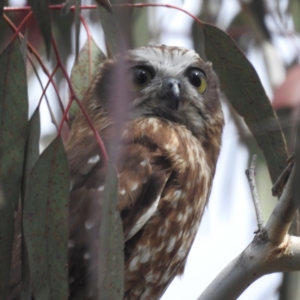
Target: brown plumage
<point>169,148</point>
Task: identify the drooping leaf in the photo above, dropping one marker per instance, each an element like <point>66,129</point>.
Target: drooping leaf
<point>13,135</point>
<point>41,12</point>
<point>32,145</point>
<point>23,45</point>
<point>31,156</point>
<point>85,69</point>
<point>106,4</point>
<point>113,38</point>
<point>1,7</point>
<point>244,90</point>
<point>45,221</point>
<point>111,257</point>
<point>66,8</point>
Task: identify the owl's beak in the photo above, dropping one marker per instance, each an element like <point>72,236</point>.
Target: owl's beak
<point>172,87</point>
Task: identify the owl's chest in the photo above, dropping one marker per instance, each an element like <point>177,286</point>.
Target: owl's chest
<point>180,210</point>
<point>167,238</point>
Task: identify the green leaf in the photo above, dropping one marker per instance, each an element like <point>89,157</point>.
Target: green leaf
<point>85,69</point>
<point>244,90</point>
<point>13,135</point>
<point>113,38</point>
<point>41,12</point>
<point>1,7</point>
<point>111,256</point>
<point>32,145</point>
<point>66,8</point>
<point>45,221</point>
<point>32,155</point>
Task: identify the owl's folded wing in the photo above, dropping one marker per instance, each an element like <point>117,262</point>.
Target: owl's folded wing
<point>142,175</point>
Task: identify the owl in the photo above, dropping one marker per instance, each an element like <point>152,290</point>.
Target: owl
<point>170,142</point>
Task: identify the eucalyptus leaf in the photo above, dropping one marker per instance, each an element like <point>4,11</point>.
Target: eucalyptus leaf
<point>32,155</point>
<point>111,256</point>
<point>45,221</point>
<point>85,69</point>
<point>41,12</point>
<point>13,135</point>
<point>246,94</point>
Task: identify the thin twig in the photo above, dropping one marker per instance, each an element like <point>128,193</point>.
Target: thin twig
<point>280,183</point>
<point>250,173</point>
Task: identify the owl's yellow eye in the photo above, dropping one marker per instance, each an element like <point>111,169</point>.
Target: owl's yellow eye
<point>138,79</point>
<point>198,79</point>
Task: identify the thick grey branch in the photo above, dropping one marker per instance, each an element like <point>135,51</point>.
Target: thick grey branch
<point>272,250</point>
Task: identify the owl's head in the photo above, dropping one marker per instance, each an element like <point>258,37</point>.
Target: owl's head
<point>171,83</point>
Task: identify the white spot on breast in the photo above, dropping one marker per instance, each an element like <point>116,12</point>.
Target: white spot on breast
<point>184,218</point>
<point>181,253</point>
<point>167,223</point>
<point>171,244</point>
<point>179,217</point>
<point>154,123</point>
<point>144,163</point>
<point>173,148</point>
<point>145,294</point>
<point>133,265</point>
<point>134,186</point>
<point>179,235</point>
<point>189,210</point>
<point>122,192</point>
<point>86,255</point>
<point>177,194</point>
<point>145,256</point>
<point>152,277</point>
<point>89,224</point>
<point>94,159</point>
<point>101,188</point>
<point>166,277</point>
<point>188,185</point>
<point>176,157</point>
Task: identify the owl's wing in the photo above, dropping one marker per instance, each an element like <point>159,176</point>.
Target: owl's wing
<point>142,178</point>
<point>142,175</point>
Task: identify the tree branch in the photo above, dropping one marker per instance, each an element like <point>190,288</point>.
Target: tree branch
<point>272,250</point>
<point>250,173</point>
